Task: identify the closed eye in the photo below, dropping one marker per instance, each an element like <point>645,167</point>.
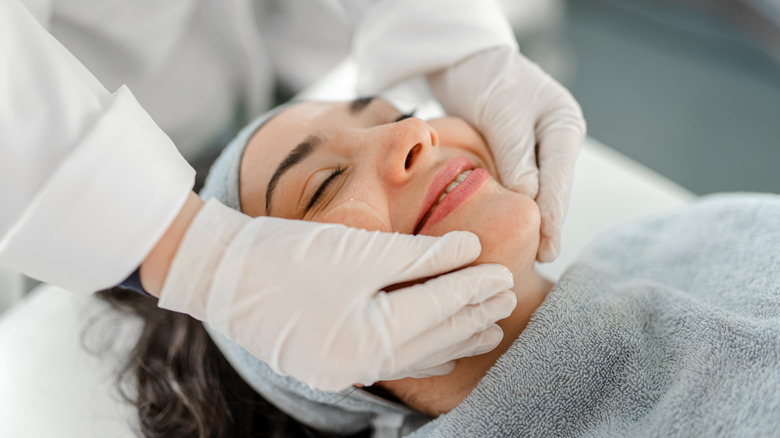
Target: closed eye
<point>405,116</point>
<point>321,189</point>
<point>339,170</point>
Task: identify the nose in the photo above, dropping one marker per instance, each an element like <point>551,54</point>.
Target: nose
<point>402,148</point>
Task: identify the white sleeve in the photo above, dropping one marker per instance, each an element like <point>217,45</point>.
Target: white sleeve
<point>398,39</point>
<point>88,182</point>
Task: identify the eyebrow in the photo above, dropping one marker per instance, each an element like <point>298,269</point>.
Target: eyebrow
<point>303,150</point>
<point>359,104</point>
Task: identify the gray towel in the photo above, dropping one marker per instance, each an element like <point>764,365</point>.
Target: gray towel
<point>665,328</point>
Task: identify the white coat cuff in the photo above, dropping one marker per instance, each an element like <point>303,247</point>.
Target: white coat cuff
<point>106,205</point>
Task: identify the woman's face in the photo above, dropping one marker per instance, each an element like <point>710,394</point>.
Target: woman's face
<point>364,165</point>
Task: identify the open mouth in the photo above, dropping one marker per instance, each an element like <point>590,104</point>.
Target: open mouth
<point>447,190</point>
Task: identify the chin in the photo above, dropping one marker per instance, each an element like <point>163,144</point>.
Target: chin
<point>507,224</point>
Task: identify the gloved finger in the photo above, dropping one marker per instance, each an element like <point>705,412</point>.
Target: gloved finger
<point>557,155</point>
<point>381,257</point>
<point>402,257</point>
<point>414,310</point>
<point>549,248</point>
<point>439,370</point>
<point>443,361</point>
<point>515,153</point>
<point>469,297</point>
<point>511,128</point>
<point>516,159</point>
<point>464,334</point>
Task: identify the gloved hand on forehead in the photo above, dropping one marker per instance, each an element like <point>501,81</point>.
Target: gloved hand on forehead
<point>307,299</point>
<point>533,125</point>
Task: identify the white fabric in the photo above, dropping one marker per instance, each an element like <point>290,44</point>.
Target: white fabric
<point>305,38</point>
<point>154,47</point>
<point>50,385</point>
<point>399,39</point>
<point>11,288</point>
<point>188,62</point>
<point>86,173</point>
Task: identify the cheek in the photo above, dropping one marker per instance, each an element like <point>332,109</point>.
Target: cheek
<point>457,134</point>
<point>506,223</point>
<point>509,231</point>
<point>358,214</point>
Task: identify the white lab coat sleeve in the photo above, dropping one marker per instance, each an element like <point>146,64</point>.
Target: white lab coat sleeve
<point>398,39</point>
<point>88,182</point>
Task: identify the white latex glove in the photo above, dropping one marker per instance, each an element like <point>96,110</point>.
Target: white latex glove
<point>532,123</point>
<point>306,297</point>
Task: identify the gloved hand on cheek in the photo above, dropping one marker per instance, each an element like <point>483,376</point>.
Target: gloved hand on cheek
<point>533,125</point>
<point>307,299</point>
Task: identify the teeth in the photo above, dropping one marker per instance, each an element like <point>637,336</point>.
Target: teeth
<point>462,177</point>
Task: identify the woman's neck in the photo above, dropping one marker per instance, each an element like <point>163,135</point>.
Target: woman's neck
<point>439,394</point>
<point>531,289</point>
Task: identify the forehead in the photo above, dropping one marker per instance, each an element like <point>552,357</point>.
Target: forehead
<point>288,128</point>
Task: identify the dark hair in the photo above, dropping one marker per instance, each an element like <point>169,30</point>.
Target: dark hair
<point>182,386</point>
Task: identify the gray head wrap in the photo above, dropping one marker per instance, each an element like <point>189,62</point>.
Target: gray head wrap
<point>345,412</point>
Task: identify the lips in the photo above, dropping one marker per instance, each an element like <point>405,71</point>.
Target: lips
<point>452,185</point>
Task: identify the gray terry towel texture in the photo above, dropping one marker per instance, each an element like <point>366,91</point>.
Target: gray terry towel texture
<point>665,328</point>
<point>669,328</point>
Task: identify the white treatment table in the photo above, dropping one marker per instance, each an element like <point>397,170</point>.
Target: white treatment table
<point>50,386</point>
